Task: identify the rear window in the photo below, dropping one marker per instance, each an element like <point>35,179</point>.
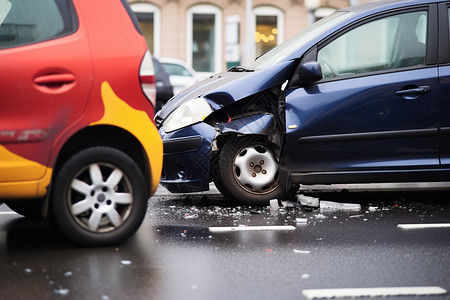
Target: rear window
<point>30,21</point>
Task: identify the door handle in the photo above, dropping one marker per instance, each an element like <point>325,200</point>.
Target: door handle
<point>55,79</point>
<point>414,91</point>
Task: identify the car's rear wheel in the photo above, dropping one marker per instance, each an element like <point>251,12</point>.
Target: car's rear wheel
<point>247,171</point>
<point>99,197</point>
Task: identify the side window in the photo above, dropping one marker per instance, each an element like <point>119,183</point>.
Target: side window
<point>24,22</point>
<point>393,42</point>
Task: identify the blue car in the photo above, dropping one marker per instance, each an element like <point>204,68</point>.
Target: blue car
<point>362,96</point>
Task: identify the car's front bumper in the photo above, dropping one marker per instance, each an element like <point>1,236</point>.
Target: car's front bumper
<point>187,156</point>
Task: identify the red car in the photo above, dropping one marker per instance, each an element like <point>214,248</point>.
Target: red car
<point>78,143</point>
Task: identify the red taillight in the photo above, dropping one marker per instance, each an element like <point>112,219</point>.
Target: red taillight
<point>147,77</point>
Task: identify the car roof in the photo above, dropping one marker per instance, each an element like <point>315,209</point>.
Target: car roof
<point>387,4</point>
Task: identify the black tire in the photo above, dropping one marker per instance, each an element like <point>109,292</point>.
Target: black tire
<point>30,208</point>
<point>258,182</point>
<point>99,197</point>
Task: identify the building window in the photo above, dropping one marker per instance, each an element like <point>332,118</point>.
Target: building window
<point>204,38</point>
<point>269,28</point>
<point>148,17</point>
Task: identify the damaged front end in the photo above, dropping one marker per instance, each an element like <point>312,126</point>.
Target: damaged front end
<point>242,104</point>
<point>187,154</point>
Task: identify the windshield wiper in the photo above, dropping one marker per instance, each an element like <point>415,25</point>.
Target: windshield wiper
<point>240,69</point>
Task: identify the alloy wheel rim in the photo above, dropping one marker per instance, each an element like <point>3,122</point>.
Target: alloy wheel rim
<point>100,197</point>
<point>255,169</point>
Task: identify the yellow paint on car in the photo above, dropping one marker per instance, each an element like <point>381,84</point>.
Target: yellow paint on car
<point>19,180</point>
<point>120,114</point>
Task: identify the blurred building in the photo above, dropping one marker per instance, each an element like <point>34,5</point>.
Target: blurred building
<point>212,35</point>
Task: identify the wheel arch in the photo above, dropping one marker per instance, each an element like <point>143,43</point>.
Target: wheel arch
<point>101,135</point>
<point>104,135</point>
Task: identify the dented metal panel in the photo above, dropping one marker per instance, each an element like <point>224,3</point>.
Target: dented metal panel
<point>255,124</point>
<point>225,88</point>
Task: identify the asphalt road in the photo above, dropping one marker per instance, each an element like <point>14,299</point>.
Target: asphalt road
<point>203,247</point>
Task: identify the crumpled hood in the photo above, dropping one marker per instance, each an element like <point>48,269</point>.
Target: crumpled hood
<point>225,88</point>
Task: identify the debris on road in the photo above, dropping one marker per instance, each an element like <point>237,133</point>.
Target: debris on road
<point>68,274</point>
<point>61,292</point>
<point>357,216</point>
<point>308,201</point>
<point>301,220</point>
<point>290,204</point>
<point>374,208</point>
<point>280,204</point>
<point>274,204</point>
<point>320,217</point>
<point>329,205</point>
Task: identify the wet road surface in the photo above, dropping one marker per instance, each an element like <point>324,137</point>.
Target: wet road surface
<point>176,254</point>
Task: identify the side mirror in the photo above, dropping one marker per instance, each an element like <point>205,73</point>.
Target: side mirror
<point>307,73</point>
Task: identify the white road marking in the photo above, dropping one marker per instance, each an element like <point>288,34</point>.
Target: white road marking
<point>8,213</point>
<point>302,251</point>
<point>250,228</point>
<point>421,226</point>
<point>374,292</point>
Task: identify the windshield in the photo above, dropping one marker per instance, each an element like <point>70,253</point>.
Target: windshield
<point>278,53</point>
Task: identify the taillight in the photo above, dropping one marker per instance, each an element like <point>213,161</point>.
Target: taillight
<point>147,76</point>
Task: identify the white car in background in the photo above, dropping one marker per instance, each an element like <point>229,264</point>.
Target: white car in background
<point>180,74</point>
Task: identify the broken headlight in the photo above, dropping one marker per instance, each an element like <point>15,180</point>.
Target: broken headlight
<point>188,113</point>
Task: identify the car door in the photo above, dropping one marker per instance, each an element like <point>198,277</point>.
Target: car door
<point>444,84</point>
<point>375,110</point>
<point>45,78</point>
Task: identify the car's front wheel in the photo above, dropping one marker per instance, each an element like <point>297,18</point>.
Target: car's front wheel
<point>99,197</point>
<point>247,171</point>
